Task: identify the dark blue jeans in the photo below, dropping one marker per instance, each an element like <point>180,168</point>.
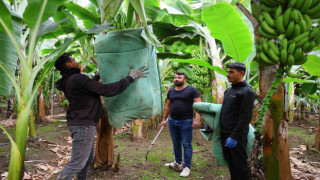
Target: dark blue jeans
<point>82,153</point>
<point>181,133</point>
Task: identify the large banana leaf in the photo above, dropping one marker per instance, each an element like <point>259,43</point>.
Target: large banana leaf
<point>181,5</point>
<point>38,12</point>
<point>226,25</point>
<point>312,66</point>
<point>109,9</point>
<point>169,33</point>
<point>89,19</point>
<point>16,159</point>
<point>8,54</point>
<point>152,8</point>
<point>9,58</point>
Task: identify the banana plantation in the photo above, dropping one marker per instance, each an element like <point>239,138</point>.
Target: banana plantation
<point>278,41</point>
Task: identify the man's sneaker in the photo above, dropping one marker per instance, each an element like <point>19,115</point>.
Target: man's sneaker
<point>185,172</point>
<point>175,166</point>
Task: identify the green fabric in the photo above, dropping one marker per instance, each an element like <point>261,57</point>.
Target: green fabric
<point>211,114</point>
<point>117,53</point>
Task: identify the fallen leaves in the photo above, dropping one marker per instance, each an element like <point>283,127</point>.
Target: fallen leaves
<point>302,169</point>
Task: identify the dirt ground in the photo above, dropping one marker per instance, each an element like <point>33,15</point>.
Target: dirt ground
<point>47,155</point>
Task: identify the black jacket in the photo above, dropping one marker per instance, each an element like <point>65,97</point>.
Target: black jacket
<point>83,94</point>
<point>236,111</point>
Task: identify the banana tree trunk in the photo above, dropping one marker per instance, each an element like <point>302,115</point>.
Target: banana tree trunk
<point>317,139</point>
<point>146,129</point>
<point>275,130</point>
<point>21,135</point>
<point>104,151</point>
<point>137,129</point>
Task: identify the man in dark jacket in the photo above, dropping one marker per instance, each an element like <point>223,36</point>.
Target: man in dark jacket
<point>236,114</point>
<point>84,111</point>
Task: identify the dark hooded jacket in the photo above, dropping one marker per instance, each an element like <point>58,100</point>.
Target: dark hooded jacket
<point>236,111</point>
<point>83,94</point>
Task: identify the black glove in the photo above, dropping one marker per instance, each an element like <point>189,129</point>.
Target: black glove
<point>141,72</point>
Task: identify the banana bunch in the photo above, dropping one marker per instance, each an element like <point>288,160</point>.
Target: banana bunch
<point>288,32</point>
<point>201,78</point>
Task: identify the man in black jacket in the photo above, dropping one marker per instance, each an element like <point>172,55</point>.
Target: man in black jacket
<point>236,114</point>
<point>85,110</point>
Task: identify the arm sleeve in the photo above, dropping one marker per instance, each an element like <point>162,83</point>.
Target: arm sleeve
<point>195,93</point>
<point>245,115</point>
<point>108,90</point>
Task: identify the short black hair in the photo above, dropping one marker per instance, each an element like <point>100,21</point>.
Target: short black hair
<point>237,66</point>
<point>60,64</point>
<point>182,73</point>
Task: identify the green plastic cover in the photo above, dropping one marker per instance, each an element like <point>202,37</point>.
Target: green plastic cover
<point>211,114</point>
<point>118,52</point>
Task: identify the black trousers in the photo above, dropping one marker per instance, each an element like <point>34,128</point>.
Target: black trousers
<point>236,158</point>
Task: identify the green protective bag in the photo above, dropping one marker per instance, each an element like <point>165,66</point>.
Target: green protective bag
<point>211,114</point>
<point>118,52</point>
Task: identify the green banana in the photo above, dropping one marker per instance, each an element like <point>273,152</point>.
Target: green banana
<point>283,56</point>
<point>269,19</point>
<point>278,12</point>
<point>265,59</point>
<point>312,45</point>
<point>279,24</point>
<point>292,3</point>
<point>298,54</point>
<point>274,47</point>
<point>286,17</point>
<point>314,10</point>
<point>290,61</point>
<point>291,48</point>
<point>270,3</point>
<point>264,34</point>
<point>297,30</point>
<point>292,75</point>
<point>306,6</point>
<point>314,2</point>
<point>265,46</point>
<point>266,8</point>
<point>302,41</point>
<point>308,21</point>
<point>284,43</point>
<point>299,4</point>
<point>273,56</point>
<point>314,32</point>
<point>302,61</point>
<point>268,29</point>
<point>294,15</point>
<point>316,15</point>
<point>301,36</point>
<point>306,46</point>
<point>290,29</point>
<point>303,25</point>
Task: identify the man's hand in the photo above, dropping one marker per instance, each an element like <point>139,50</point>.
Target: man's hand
<point>164,123</point>
<point>141,72</point>
<point>231,143</point>
<point>196,123</point>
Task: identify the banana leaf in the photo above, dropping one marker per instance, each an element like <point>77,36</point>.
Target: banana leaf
<point>226,25</point>
<point>8,54</point>
<point>312,66</point>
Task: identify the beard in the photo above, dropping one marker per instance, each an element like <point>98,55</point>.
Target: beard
<point>178,84</point>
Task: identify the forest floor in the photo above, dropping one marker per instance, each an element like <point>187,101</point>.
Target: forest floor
<point>46,156</point>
